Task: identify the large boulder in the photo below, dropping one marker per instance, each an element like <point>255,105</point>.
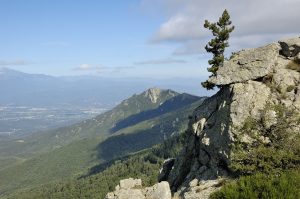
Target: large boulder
<point>247,65</point>
<point>132,189</point>
<point>290,47</point>
<point>158,191</point>
<point>250,81</point>
<point>127,189</point>
<point>130,183</point>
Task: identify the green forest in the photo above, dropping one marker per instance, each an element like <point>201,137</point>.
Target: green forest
<point>144,165</point>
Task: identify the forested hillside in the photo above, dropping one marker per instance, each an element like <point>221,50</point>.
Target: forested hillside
<point>137,123</point>
<point>144,165</point>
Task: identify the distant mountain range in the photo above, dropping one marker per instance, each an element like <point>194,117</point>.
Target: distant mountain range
<point>135,124</point>
<point>36,90</point>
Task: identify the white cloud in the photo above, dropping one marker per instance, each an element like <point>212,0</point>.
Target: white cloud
<point>85,67</point>
<point>100,69</point>
<point>161,61</point>
<point>89,67</point>
<point>256,22</point>
<point>178,28</point>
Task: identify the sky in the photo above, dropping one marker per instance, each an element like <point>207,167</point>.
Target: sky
<point>132,38</point>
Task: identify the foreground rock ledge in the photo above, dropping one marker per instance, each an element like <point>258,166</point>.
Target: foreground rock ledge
<point>132,189</point>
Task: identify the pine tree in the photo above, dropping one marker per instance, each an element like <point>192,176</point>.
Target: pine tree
<point>221,31</point>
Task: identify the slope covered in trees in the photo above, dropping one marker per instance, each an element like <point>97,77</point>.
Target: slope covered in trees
<point>144,165</point>
<point>70,152</point>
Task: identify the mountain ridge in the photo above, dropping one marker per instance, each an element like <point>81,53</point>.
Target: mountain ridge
<point>38,90</point>
<point>85,145</point>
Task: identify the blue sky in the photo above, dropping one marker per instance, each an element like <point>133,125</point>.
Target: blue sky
<point>131,38</point>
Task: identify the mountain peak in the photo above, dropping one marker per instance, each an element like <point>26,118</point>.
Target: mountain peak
<point>9,71</point>
<point>155,93</point>
<point>4,70</point>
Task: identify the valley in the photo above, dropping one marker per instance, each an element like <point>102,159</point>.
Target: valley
<point>17,121</point>
<point>137,123</point>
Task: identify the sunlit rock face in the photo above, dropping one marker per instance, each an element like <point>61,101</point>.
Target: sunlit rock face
<point>132,189</point>
<point>250,81</point>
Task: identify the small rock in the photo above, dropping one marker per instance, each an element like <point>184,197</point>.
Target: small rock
<point>158,191</point>
<point>131,189</point>
<point>205,141</point>
<point>270,118</point>
<point>194,183</point>
<point>290,47</point>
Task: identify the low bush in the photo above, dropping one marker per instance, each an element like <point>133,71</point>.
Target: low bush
<point>262,186</point>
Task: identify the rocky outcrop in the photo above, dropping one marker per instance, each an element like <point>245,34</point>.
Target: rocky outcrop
<point>251,83</point>
<point>132,189</point>
<point>290,47</point>
<point>155,93</point>
<point>247,65</point>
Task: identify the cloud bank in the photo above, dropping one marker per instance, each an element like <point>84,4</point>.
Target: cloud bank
<point>100,69</point>
<point>257,22</point>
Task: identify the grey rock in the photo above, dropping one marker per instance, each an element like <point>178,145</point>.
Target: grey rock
<point>200,189</point>
<point>252,80</point>
<point>130,183</point>
<point>166,169</point>
<point>126,194</point>
<point>158,191</point>
<point>290,47</point>
<point>269,118</point>
<point>132,189</point>
<point>247,65</point>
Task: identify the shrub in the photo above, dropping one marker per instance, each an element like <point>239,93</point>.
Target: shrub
<point>262,186</point>
<point>290,88</point>
<point>281,151</point>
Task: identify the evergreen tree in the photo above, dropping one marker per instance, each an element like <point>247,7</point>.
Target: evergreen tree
<point>221,31</point>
